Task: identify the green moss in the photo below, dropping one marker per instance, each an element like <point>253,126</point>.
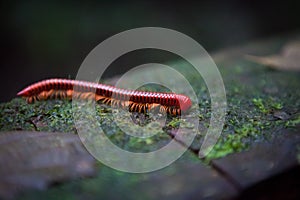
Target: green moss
<point>267,105</point>
<point>174,123</point>
<point>293,122</point>
<point>277,106</point>
<point>253,97</point>
<point>260,105</point>
<point>248,121</point>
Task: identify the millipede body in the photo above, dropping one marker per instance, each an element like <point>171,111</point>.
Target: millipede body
<point>133,100</point>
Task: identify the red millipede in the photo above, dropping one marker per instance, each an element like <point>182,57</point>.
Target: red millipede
<point>134,100</point>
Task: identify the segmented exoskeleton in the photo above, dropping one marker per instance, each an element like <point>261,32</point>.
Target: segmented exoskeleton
<point>133,100</point>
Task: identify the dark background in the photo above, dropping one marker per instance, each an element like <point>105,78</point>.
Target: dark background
<point>44,39</point>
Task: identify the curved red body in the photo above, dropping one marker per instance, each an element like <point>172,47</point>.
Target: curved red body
<point>167,99</point>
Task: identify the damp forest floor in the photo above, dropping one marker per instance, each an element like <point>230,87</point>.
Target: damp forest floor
<point>261,131</point>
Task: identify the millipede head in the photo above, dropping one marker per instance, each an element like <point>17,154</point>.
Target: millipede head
<point>184,102</point>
